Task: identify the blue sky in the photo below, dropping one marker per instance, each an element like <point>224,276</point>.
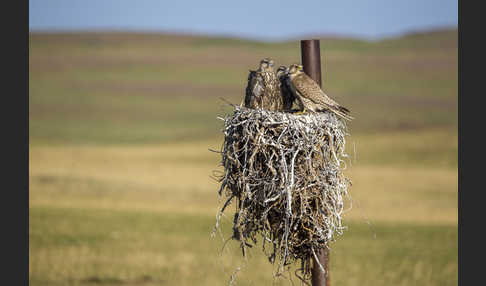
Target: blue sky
<point>255,19</point>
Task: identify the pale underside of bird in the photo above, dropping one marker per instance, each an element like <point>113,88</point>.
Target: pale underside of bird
<point>310,96</point>
<point>263,89</point>
<point>287,97</point>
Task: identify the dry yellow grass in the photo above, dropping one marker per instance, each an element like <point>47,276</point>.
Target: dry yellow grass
<point>176,177</point>
<point>406,194</point>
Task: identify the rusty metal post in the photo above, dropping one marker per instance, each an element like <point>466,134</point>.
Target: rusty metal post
<point>311,61</point>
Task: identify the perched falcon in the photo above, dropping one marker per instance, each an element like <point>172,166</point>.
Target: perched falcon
<point>310,95</point>
<point>263,89</point>
<point>285,91</point>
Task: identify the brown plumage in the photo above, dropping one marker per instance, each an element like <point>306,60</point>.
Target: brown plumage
<point>263,88</point>
<point>254,90</point>
<point>310,96</point>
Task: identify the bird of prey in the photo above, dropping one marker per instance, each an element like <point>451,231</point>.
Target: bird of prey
<point>263,89</point>
<point>285,91</point>
<point>310,95</point>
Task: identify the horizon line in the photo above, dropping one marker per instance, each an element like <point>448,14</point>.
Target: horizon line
<point>181,32</point>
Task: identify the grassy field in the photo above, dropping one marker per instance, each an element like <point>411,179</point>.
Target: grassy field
<point>120,188</point>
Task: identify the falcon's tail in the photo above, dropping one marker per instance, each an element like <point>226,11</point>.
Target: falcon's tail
<point>342,112</point>
<point>344,109</point>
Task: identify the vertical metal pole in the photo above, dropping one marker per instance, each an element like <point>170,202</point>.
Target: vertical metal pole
<point>311,61</point>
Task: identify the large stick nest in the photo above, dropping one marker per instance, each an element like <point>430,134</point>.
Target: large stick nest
<point>285,173</point>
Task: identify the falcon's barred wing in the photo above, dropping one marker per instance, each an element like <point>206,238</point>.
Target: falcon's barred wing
<point>309,89</point>
<point>254,89</point>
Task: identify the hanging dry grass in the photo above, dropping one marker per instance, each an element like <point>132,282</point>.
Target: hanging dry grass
<point>284,172</point>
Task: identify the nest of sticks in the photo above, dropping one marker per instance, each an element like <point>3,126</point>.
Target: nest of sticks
<point>284,173</point>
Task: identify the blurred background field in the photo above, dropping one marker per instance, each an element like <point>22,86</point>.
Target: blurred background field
<point>119,130</point>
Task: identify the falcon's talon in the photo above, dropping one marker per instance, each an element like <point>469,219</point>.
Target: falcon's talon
<point>302,112</point>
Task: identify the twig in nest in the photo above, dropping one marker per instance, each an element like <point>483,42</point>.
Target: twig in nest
<point>285,172</point>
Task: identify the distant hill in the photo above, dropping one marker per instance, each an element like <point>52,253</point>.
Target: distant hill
<point>418,37</point>
<point>151,87</point>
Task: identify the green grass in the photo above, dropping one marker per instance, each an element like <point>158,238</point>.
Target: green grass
<point>120,247</point>
<point>119,168</point>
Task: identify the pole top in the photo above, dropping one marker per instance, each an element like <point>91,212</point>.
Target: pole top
<point>311,59</point>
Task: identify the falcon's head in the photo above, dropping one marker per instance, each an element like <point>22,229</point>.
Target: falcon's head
<point>295,69</point>
<point>282,71</point>
<point>266,64</point>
